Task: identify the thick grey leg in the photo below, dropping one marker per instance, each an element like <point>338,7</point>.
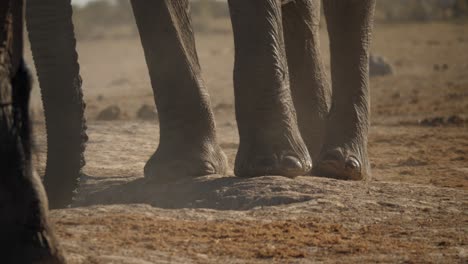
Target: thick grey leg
<point>53,47</point>
<point>309,86</point>
<point>25,235</point>
<point>188,144</point>
<point>270,142</point>
<point>344,154</point>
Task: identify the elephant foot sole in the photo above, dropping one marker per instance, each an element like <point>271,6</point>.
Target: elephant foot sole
<point>343,164</point>
<point>170,166</point>
<point>288,159</point>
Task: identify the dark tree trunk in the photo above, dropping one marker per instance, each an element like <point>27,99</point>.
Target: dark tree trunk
<point>54,50</point>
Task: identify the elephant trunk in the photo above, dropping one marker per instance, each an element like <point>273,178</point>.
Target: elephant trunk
<point>53,46</point>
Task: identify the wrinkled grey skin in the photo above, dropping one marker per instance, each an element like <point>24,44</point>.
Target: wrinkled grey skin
<point>284,107</point>
<point>278,58</point>
<point>25,235</point>
<point>344,152</point>
<point>53,44</point>
<point>286,111</point>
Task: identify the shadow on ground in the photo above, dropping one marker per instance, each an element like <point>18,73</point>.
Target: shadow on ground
<point>213,192</point>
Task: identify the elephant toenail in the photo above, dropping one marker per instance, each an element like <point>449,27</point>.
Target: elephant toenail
<point>332,156</point>
<point>291,164</point>
<point>208,168</point>
<point>352,164</point>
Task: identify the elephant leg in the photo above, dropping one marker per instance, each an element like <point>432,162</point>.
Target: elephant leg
<point>344,154</point>
<point>188,144</point>
<point>53,44</point>
<point>270,141</point>
<point>309,85</point>
<point>25,235</point>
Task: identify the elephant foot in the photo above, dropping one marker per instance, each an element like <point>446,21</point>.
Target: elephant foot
<point>344,152</point>
<point>273,156</point>
<point>170,164</point>
<point>27,236</point>
<point>41,248</point>
<point>342,163</point>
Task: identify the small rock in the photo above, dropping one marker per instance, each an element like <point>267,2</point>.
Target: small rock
<point>440,67</point>
<point>100,97</point>
<point>110,113</point>
<point>378,66</point>
<point>414,100</point>
<point>412,162</point>
<point>433,121</point>
<point>453,120</point>
<point>222,106</point>
<point>147,112</point>
<point>396,95</point>
<point>119,82</point>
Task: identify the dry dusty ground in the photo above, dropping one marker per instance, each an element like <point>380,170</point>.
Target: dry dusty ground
<point>414,210</point>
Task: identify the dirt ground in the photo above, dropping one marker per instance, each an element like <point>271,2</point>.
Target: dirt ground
<point>414,210</point>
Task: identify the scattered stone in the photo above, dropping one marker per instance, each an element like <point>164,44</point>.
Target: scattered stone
<point>440,67</point>
<point>411,162</point>
<point>110,113</point>
<point>453,120</point>
<point>222,106</point>
<point>396,95</point>
<point>100,98</point>
<point>456,120</point>
<point>399,63</point>
<point>459,158</point>
<point>433,121</point>
<point>414,100</point>
<point>119,82</point>
<point>147,112</point>
<point>432,42</point>
<point>406,172</point>
<point>378,66</point>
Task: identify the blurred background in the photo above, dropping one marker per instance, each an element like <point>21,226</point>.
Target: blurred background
<point>419,87</point>
<point>94,17</point>
<point>409,37</point>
